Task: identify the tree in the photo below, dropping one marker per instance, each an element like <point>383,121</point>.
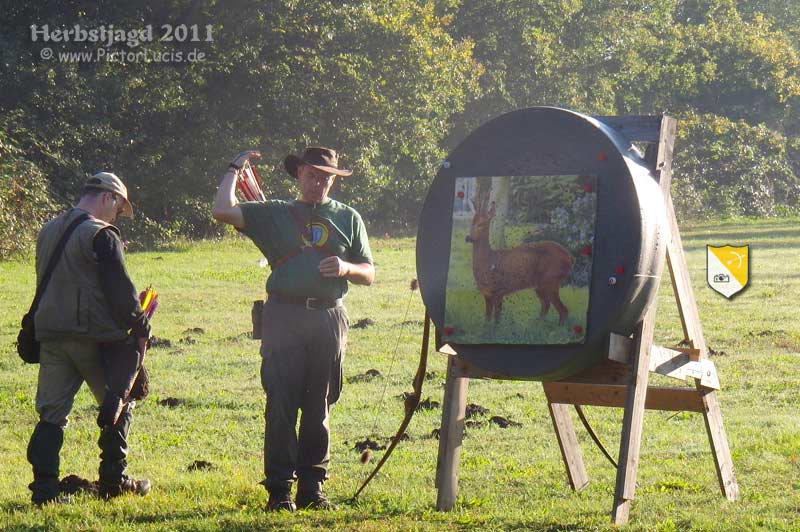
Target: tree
<point>378,81</point>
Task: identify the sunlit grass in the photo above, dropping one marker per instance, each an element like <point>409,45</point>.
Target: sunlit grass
<point>511,479</point>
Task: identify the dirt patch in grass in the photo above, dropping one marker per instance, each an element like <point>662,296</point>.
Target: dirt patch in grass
<point>475,410</point>
<point>370,444</point>
<point>200,465</point>
<point>73,485</point>
<point>171,402</point>
<point>156,342</point>
<point>367,376</point>
<point>504,423</point>
<point>363,323</point>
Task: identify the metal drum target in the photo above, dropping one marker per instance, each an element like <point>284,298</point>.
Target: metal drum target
<point>543,232</point>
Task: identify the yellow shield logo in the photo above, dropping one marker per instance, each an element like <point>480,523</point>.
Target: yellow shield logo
<point>728,268</point>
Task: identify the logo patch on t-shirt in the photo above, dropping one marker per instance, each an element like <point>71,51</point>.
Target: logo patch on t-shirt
<point>316,234</point>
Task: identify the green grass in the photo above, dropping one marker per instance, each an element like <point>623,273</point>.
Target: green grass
<point>511,479</point>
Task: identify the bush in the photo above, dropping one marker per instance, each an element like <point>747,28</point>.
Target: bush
<point>25,201</point>
<point>730,168</point>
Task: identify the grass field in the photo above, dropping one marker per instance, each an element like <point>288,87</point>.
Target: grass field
<point>511,479</point>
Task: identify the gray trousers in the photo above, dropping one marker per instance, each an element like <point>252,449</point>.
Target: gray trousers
<point>64,366</point>
<point>301,371</point>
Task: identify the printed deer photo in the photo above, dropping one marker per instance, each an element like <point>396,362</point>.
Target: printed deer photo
<point>520,260</point>
<point>542,266</point>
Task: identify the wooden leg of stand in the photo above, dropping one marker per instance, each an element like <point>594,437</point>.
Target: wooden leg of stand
<point>451,434</point>
<point>633,421</point>
<point>690,319</point>
<point>719,445</point>
<point>570,448</point>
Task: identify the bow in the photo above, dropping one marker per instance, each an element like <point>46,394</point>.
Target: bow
<point>410,404</point>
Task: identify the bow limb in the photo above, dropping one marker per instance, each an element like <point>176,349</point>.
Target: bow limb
<point>410,405</point>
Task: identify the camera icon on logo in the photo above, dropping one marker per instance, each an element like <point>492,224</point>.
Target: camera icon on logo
<point>722,278</point>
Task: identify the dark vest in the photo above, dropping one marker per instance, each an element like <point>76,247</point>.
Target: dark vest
<point>73,304</point>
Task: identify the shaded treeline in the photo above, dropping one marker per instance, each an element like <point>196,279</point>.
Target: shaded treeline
<point>393,86</point>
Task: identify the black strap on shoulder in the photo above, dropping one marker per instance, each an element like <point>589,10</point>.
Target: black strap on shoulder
<point>302,227</point>
<point>51,265</point>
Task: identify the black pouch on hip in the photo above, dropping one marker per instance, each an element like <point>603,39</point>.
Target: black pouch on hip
<point>256,313</point>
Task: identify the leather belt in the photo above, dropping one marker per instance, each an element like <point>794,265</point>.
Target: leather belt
<point>310,303</point>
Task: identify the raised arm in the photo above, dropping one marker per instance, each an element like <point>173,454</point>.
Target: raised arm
<point>226,206</point>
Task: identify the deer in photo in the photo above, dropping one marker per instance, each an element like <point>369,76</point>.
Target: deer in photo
<point>543,266</point>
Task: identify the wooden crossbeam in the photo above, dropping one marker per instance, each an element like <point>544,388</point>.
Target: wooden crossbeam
<point>678,363</point>
<point>671,398</point>
<point>635,128</point>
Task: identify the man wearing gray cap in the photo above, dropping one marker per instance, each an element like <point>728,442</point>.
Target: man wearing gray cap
<point>89,301</point>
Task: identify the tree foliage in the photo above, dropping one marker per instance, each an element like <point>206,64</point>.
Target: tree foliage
<point>378,81</point>
<point>392,86</point>
<point>730,73</point>
<point>24,201</point>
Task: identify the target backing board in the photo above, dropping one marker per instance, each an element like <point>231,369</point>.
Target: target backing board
<point>543,232</point>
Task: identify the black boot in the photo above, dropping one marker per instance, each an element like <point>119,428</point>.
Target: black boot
<point>310,496</point>
<point>113,444</point>
<point>280,496</point>
<point>43,454</point>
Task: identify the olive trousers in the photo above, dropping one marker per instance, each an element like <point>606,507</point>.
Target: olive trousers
<point>302,353</point>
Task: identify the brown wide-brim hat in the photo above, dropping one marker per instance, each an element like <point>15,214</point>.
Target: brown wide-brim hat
<point>324,159</point>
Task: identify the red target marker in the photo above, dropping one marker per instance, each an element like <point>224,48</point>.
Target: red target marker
<point>448,331</point>
<point>620,269</point>
<point>460,195</point>
<point>587,250</point>
<point>587,187</point>
<point>602,156</point>
<point>578,329</point>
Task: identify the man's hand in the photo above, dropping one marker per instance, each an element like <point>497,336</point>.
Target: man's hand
<point>358,273</point>
<point>247,155</point>
<point>226,208</point>
<point>334,267</point>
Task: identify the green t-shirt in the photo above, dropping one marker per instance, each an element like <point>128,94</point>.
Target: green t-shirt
<point>295,236</point>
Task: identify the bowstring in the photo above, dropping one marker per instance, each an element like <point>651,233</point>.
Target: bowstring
<point>391,365</point>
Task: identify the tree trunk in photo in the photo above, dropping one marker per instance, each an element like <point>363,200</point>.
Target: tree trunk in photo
<point>501,197</point>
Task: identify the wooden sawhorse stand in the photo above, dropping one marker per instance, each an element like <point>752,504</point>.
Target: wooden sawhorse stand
<point>622,380</point>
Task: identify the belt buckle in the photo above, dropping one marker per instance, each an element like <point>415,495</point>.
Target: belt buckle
<point>309,304</point>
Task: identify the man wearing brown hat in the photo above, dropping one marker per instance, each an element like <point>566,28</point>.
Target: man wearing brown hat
<point>314,245</point>
<point>88,302</point>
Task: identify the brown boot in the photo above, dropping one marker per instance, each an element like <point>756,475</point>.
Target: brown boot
<point>280,499</point>
<point>311,497</point>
